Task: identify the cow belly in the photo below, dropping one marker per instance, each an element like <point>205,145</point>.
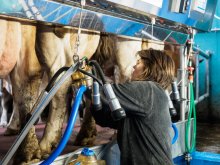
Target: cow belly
<point>9,46</point>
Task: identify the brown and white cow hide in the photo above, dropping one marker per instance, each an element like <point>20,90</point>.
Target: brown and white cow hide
<point>55,49</point>
<point>26,80</point>
<point>10,47</point>
<point>18,58</point>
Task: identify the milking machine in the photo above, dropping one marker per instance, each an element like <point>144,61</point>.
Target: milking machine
<point>116,110</point>
<point>53,86</point>
<point>46,96</point>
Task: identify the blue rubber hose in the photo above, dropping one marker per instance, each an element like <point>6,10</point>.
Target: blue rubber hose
<point>176,133</point>
<point>69,128</point>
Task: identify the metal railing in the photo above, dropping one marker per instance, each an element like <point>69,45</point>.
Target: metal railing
<point>206,56</point>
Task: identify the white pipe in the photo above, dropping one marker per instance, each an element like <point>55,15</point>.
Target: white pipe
<point>207,77</point>
<point>182,77</point>
<point>201,98</point>
<point>215,29</point>
<point>26,9</point>
<point>197,77</point>
<point>217,17</point>
<point>35,10</point>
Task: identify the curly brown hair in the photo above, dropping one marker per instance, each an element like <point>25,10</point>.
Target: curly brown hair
<point>159,67</point>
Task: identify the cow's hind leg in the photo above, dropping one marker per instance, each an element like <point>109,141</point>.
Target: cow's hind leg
<point>26,80</point>
<point>88,132</point>
<point>53,130</point>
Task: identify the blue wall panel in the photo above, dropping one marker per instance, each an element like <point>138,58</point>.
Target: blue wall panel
<point>216,21</point>
<point>211,41</point>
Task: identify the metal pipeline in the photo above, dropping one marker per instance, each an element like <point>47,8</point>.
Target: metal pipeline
<point>45,98</point>
<point>182,79</point>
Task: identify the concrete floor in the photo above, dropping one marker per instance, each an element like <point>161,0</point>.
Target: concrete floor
<point>208,138</point>
<point>104,136</point>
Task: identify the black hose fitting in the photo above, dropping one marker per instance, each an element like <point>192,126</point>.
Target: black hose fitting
<point>117,111</point>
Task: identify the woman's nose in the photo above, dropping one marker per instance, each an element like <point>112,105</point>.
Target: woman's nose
<point>134,66</point>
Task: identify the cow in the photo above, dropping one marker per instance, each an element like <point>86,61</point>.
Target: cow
<point>46,48</point>
<point>18,59</point>
<point>10,47</point>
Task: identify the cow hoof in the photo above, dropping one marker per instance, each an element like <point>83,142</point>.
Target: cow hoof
<point>45,156</point>
<point>45,148</point>
<point>10,132</point>
<point>3,124</point>
<point>89,141</point>
<point>29,150</point>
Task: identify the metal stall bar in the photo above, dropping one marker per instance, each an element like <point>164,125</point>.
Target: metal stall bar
<point>206,56</point>
<point>183,85</point>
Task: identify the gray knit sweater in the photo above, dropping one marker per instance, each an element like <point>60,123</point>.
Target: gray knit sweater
<point>143,136</point>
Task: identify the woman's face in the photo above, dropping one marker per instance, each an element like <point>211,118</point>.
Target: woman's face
<point>138,69</point>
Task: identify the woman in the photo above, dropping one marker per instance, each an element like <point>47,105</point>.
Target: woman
<point>143,136</point>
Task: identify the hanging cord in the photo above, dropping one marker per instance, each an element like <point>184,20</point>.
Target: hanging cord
<point>76,48</point>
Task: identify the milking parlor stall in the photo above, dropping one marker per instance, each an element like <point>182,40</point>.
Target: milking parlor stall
<point>53,51</point>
